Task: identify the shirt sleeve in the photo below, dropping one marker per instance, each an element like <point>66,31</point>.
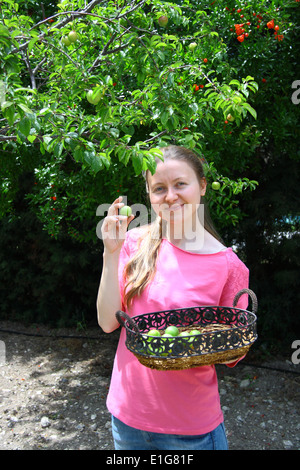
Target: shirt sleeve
<point>238,279</point>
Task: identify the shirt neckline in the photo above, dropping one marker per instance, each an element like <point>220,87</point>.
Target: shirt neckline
<point>194,253</point>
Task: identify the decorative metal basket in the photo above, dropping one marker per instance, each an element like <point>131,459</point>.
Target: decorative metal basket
<point>226,334</point>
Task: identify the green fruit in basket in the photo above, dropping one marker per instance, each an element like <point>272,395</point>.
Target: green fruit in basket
<point>164,336</point>
<point>172,330</point>
<point>153,348</point>
<point>194,332</point>
<point>153,333</point>
<point>184,333</point>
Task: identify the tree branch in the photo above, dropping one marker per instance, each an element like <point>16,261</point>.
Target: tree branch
<point>156,136</point>
<point>4,138</point>
<point>31,74</point>
<point>86,10</point>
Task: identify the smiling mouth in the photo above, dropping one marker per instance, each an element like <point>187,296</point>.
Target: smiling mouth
<point>175,208</point>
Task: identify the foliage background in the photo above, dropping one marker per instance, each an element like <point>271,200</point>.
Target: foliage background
<point>62,157</point>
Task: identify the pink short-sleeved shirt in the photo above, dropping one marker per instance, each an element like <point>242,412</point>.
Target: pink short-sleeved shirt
<point>174,402</point>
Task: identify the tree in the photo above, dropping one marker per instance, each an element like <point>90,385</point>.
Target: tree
<point>145,89</point>
<point>233,96</point>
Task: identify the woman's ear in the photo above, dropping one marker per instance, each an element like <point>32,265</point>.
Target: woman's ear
<point>203,186</point>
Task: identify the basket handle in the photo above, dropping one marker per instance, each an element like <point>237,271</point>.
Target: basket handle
<point>251,295</point>
<point>120,316</point>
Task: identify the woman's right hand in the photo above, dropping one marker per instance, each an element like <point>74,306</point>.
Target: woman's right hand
<point>114,227</point>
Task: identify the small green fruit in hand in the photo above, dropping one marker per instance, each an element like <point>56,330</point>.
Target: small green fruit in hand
<point>216,185</point>
<point>125,210</point>
<point>73,36</point>
<point>192,46</point>
<point>172,330</point>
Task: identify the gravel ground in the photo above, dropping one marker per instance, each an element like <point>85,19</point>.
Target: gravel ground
<point>53,393</point>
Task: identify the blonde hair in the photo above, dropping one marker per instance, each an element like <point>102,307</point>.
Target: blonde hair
<point>139,271</point>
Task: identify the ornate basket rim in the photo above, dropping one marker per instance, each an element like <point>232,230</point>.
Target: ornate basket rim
<point>217,307</point>
<point>233,338</point>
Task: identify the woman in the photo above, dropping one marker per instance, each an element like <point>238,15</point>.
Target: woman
<point>177,261</point>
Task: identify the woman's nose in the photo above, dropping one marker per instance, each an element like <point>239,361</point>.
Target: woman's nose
<point>171,195</point>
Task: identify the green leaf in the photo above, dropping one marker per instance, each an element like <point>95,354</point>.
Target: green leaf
<point>9,114</point>
<point>137,161</point>
<point>24,108</point>
<point>28,90</point>
<point>164,118</point>
<point>235,82</point>
<point>31,138</point>
<point>6,104</point>
<point>218,104</point>
<point>32,43</point>
<point>250,109</point>
<point>25,126</point>
<point>94,161</point>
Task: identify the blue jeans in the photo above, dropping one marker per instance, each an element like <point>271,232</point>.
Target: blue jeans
<point>128,438</point>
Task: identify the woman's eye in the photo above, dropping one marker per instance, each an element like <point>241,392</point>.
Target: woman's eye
<point>160,189</point>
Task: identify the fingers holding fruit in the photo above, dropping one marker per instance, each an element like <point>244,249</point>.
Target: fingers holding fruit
<point>115,225</point>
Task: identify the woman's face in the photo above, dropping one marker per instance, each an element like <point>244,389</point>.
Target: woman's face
<point>175,191</point>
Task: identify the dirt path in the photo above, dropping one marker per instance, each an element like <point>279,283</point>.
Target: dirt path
<point>53,393</point>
